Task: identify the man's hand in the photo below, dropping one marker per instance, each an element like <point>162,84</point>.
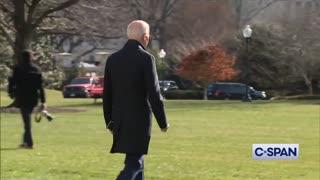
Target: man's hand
<point>165,129</point>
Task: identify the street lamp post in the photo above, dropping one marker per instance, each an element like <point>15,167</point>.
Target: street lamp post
<point>247,32</point>
<point>162,54</point>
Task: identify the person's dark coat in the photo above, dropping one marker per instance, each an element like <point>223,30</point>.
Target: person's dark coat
<point>25,85</point>
<point>131,94</point>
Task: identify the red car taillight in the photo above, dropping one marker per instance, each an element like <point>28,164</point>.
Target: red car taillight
<point>217,92</point>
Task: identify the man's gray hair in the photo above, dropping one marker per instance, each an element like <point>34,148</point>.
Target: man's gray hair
<point>137,28</point>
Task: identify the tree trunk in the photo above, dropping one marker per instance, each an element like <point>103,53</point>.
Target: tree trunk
<point>282,87</point>
<point>205,97</point>
<point>23,42</point>
<point>310,89</point>
<point>308,82</point>
<point>24,30</point>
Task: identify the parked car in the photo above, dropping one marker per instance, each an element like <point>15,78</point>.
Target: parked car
<point>167,85</point>
<point>97,89</point>
<point>232,91</point>
<point>80,87</point>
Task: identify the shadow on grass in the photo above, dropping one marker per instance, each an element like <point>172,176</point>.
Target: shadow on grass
<point>64,109</point>
<point>298,102</point>
<point>10,149</point>
<point>214,104</point>
<point>98,104</point>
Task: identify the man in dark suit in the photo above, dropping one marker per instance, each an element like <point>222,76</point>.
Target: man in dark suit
<point>25,86</point>
<point>131,94</point>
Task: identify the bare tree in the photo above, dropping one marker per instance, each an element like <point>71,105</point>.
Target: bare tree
<point>22,21</point>
<point>287,52</point>
<point>91,24</point>
<point>23,18</point>
<point>207,24</point>
<point>244,14</point>
<point>158,13</point>
<point>302,42</point>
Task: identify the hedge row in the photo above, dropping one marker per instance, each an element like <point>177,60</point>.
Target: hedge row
<point>184,94</point>
<point>198,94</point>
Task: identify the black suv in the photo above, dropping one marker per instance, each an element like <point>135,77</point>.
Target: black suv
<point>232,91</point>
<point>168,85</point>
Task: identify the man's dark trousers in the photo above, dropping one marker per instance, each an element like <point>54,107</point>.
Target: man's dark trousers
<point>134,166</point>
<point>26,116</point>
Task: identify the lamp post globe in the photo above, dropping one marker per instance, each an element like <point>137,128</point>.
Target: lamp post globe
<point>162,53</point>
<point>247,33</point>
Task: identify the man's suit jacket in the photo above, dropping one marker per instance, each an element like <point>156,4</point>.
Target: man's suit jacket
<point>26,85</point>
<point>131,94</point>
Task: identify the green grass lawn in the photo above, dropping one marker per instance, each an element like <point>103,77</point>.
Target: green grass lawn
<point>208,140</point>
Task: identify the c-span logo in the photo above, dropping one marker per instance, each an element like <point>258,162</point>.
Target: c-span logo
<point>275,151</point>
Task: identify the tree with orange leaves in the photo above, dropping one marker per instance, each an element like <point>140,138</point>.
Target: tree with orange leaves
<point>207,65</point>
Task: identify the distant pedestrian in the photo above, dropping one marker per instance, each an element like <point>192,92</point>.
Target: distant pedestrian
<point>25,86</point>
<point>131,94</point>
